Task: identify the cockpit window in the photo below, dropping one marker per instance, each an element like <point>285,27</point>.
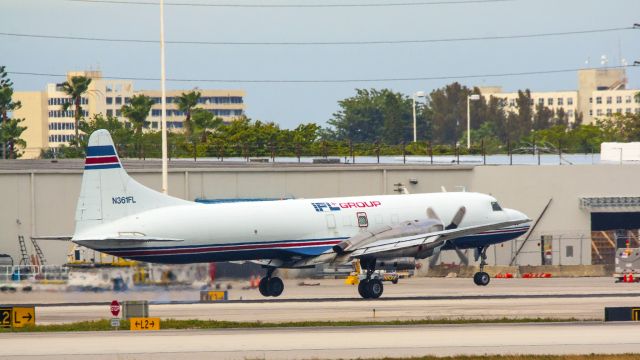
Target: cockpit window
<point>495,206</point>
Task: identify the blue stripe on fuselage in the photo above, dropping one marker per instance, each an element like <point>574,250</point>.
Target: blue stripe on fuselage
<point>481,240</point>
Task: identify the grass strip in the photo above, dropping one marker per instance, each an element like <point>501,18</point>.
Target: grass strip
<point>525,357</point>
<point>174,324</point>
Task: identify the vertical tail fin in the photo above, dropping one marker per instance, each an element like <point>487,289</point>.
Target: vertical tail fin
<point>108,192</point>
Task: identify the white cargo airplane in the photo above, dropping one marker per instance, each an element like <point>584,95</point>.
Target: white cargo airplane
<point>119,216</point>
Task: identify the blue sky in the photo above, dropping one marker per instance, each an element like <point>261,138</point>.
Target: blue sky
<point>292,104</point>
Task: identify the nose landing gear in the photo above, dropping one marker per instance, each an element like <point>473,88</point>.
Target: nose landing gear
<point>481,278</point>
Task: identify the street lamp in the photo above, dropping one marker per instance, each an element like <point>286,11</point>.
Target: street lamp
<point>417,94</point>
<point>469,98</point>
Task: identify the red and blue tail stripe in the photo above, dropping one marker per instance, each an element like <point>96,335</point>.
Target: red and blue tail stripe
<point>101,157</point>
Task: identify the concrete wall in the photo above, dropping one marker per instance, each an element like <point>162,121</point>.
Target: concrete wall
<point>527,188</point>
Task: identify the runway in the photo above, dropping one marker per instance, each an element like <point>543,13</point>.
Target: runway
<point>327,343</point>
<point>331,300</point>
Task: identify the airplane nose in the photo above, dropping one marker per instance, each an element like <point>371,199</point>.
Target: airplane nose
<point>517,215</point>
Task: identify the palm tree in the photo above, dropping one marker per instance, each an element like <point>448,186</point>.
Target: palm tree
<point>137,111</point>
<point>75,89</point>
<point>187,102</point>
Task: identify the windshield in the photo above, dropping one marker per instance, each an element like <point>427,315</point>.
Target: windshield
<point>495,206</point>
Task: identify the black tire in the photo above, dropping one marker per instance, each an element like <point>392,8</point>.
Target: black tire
<point>375,288</point>
<point>475,279</point>
<point>362,289</point>
<point>483,278</point>
<point>263,286</point>
<point>275,286</point>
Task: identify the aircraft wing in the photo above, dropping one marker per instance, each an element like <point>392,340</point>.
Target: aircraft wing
<point>427,240</point>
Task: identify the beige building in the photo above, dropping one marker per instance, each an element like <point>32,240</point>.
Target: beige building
<point>48,126</point>
<point>554,100</point>
<point>601,93</point>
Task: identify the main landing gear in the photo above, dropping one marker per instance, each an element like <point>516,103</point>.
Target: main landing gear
<point>481,278</point>
<point>370,288</point>
<point>271,286</point>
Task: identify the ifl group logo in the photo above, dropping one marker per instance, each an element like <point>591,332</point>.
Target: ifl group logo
<point>332,206</point>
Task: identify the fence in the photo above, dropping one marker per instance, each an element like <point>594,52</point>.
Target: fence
<point>33,273</point>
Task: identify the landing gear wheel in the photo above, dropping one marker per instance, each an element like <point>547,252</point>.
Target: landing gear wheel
<point>263,286</point>
<point>374,288</point>
<point>362,289</point>
<point>481,278</point>
<point>275,286</point>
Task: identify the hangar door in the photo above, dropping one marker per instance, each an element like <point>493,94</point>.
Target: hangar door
<point>615,223</point>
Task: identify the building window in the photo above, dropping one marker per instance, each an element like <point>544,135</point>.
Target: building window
<point>627,99</point>
<point>590,100</point>
<point>550,101</point>
<point>541,101</point>
<point>118,112</point>
<point>619,111</point>
<point>156,112</point>
<point>118,101</point>
<point>608,99</point>
<point>618,99</point>
<point>512,102</point>
<point>599,112</point>
<point>109,112</point>
<point>608,111</point>
<point>590,112</point>
<point>127,100</point>
<point>628,111</point>
<point>560,101</point>
<point>570,101</point>
<point>569,251</point>
<point>109,100</point>
<point>637,110</point>
<point>570,113</point>
<point>599,100</point>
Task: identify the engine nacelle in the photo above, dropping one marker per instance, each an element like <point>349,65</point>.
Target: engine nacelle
<point>406,228</point>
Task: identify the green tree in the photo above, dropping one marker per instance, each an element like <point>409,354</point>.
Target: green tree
<point>542,117</point>
<point>10,132</point>
<point>75,88</point>
<point>121,134</point>
<point>449,112</point>
<point>371,115</point>
<point>522,122</point>
<point>7,104</point>
<point>187,103</point>
<point>137,112</point>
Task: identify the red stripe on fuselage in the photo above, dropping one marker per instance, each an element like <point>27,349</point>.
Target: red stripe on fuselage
<point>101,160</point>
<point>225,248</point>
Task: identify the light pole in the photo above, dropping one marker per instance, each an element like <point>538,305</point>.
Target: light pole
<point>417,94</point>
<point>163,102</point>
<point>469,98</point>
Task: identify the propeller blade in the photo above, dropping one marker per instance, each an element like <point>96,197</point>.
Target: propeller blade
<point>431,214</point>
<point>436,255</point>
<point>457,218</point>
<point>463,258</point>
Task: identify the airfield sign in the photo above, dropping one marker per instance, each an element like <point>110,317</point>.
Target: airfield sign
<point>115,308</point>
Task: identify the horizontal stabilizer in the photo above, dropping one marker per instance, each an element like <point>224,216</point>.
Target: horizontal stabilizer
<point>53,237</point>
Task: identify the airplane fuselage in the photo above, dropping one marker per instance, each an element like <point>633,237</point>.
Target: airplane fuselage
<point>287,228</point>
